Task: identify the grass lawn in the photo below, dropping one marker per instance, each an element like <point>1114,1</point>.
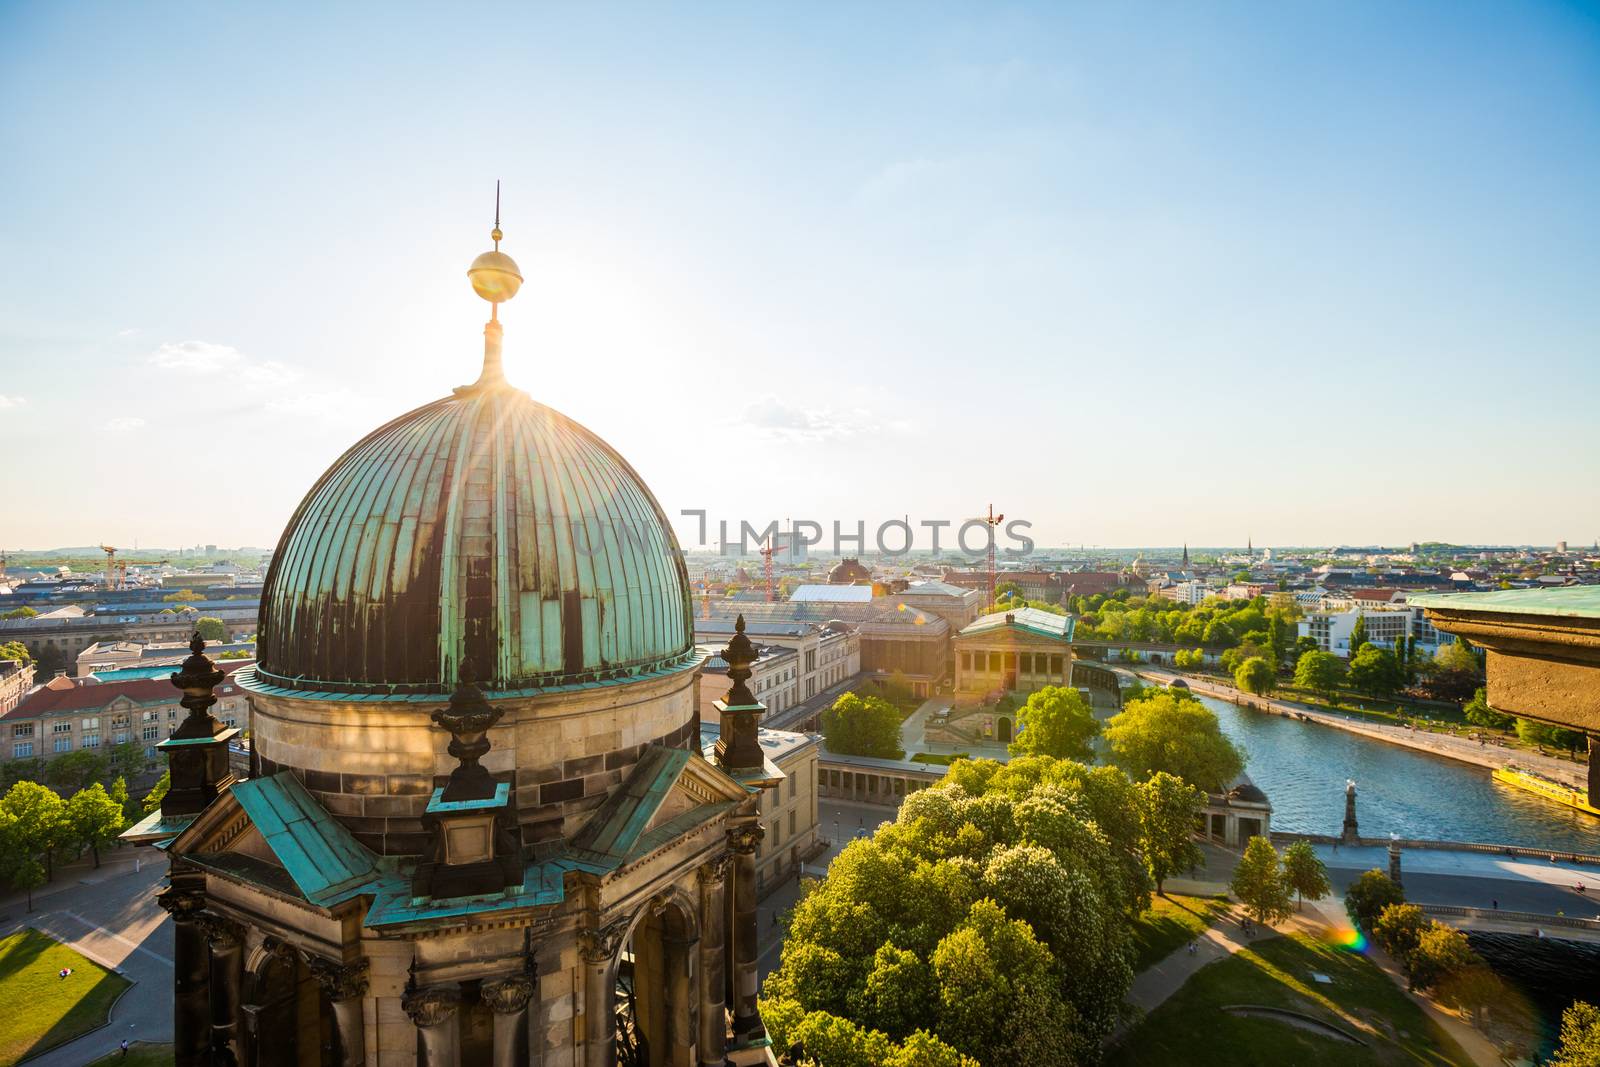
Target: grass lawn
<point>140,1054</point>
<point>1192,1029</point>
<point>42,1009</point>
<point>1172,922</point>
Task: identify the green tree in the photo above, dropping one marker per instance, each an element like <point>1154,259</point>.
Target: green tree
<point>1580,1037</point>
<point>1302,645</point>
<point>1161,732</point>
<point>1478,712</point>
<point>1056,721</point>
<point>152,799</point>
<point>211,629</point>
<point>183,596</point>
<point>1375,672</point>
<point>19,864</point>
<point>94,819</point>
<point>1369,894</point>
<point>1398,928</point>
<point>1259,884</point>
<point>862,726</point>
<point>1169,809</point>
<point>16,650</point>
<point>1304,873</point>
<point>1256,675</point>
<point>1537,733</point>
<point>1457,657</point>
<point>41,827</point>
<point>73,771</point>
<point>23,612</point>
<point>119,793</point>
<point>1441,954</point>
<point>1358,634</point>
<point>127,759</point>
<point>1319,672</point>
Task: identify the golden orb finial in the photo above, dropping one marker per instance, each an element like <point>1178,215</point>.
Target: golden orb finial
<point>494,275</point>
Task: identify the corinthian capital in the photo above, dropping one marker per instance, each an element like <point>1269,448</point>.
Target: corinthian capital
<point>601,943</point>
<point>183,904</point>
<point>341,981</point>
<point>430,1006</point>
<point>746,838</point>
<point>509,995</point>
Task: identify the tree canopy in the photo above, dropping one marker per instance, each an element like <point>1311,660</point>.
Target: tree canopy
<point>1319,672</point>
<point>1478,712</point>
<point>991,917</point>
<point>23,612</point>
<point>1162,732</point>
<point>1256,675</point>
<point>1168,810</point>
<point>1580,1037</point>
<point>1376,672</point>
<point>16,650</point>
<point>211,629</point>
<point>1259,884</point>
<point>94,818</point>
<point>1304,873</point>
<point>862,726</point>
<point>1369,894</point>
<point>1056,721</point>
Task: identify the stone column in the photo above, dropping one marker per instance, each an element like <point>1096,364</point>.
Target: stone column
<point>225,939</point>
<point>345,986</point>
<point>713,962</point>
<point>598,949</point>
<point>743,840</point>
<point>433,1012</point>
<point>508,999</point>
<point>682,999</point>
<point>191,1010</point>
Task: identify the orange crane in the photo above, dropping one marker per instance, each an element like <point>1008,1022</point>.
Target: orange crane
<point>117,569</point>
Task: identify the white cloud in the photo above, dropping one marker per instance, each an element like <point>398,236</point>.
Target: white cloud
<point>782,421</point>
<point>123,424</point>
<point>270,372</point>
<point>129,332</point>
<point>11,401</point>
<point>198,357</point>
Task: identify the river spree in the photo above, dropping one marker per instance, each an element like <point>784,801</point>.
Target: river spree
<point>1303,766</point>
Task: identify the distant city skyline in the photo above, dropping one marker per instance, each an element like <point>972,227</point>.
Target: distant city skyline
<point>1138,273</point>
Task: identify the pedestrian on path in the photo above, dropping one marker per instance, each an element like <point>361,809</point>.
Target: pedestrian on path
<point>1496,904</point>
<point>124,1048</point>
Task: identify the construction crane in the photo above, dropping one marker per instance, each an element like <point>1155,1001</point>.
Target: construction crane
<point>766,562</point>
<point>117,569</point>
<point>991,520</point>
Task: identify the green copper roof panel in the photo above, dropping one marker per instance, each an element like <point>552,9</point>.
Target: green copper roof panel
<point>325,862</point>
<point>483,525</point>
<point>1577,601</point>
<point>617,824</point>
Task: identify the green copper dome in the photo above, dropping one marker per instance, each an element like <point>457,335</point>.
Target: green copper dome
<point>484,526</point>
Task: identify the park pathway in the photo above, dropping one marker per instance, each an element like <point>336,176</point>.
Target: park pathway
<point>1223,938</point>
<point>109,915</point>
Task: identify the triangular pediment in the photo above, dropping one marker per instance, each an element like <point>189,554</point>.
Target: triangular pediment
<point>667,785</point>
<point>271,831</point>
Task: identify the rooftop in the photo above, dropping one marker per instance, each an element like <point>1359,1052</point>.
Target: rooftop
<point>1034,620</point>
<point>1576,602</point>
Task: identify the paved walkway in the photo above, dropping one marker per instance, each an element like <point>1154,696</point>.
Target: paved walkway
<point>111,916</point>
<point>1222,938</point>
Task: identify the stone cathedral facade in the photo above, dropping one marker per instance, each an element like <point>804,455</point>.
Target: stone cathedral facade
<point>478,828</point>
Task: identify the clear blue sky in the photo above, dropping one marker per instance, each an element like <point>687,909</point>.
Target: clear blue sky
<point>1140,274</point>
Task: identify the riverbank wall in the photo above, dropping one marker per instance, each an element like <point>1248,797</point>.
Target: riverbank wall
<point>1449,747</point>
<point>1289,837</point>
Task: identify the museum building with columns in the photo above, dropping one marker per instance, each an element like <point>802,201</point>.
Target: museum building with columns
<point>478,826</point>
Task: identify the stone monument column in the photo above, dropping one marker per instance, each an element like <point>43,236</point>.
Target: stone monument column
<point>1394,858</point>
<point>433,1012</point>
<point>1350,835</point>
<point>191,966</point>
<point>713,962</point>
<point>508,998</point>
<point>598,948</point>
<point>345,985</point>
<point>743,841</point>
<point>225,939</point>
